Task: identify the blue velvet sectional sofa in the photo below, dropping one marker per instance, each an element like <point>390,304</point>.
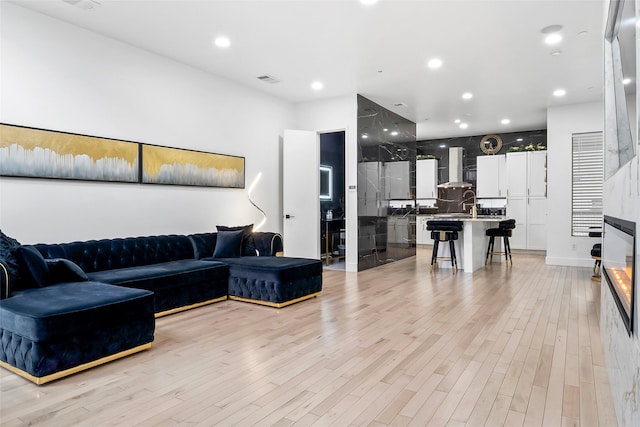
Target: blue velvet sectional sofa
<point>71,306</point>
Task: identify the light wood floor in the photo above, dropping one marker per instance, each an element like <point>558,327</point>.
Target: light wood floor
<point>396,345</point>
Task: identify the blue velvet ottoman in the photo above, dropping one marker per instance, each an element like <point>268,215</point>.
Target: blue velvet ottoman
<point>273,281</point>
<point>51,332</point>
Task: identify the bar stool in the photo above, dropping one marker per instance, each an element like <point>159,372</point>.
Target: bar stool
<point>596,254</point>
<point>444,231</point>
<point>504,230</point>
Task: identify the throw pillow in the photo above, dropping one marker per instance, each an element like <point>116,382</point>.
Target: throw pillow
<point>10,265</point>
<point>64,270</point>
<point>248,245</point>
<point>228,244</point>
<point>33,265</point>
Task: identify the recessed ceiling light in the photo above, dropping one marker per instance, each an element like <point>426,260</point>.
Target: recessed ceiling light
<point>222,41</point>
<point>456,121</point>
<point>394,133</point>
<point>463,125</point>
<point>368,1</point>
<point>519,139</point>
<point>556,53</point>
<point>505,121</point>
<point>434,63</point>
<point>385,130</point>
<point>84,4</point>
<point>626,81</point>
<point>553,38</point>
<point>583,33</point>
<point>551,29</point>
<point>467,95</point>
<point>365,136</point>
<point>443,146</point>
<point>317,85</point>
<point>559,92</point>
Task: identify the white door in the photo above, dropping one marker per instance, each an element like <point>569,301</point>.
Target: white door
<point>301,194</point>
<point>517,209</point>
<point>516,175</point>
<point>426,178</point>
<point>537,223</point>
<point>488,177</point>
<point>397,180</point>
<point>537,171</point>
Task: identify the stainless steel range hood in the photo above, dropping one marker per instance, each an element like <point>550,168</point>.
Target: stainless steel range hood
<point>456,155</point>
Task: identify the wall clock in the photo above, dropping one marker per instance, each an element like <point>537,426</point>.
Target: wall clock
<point>491,144</point>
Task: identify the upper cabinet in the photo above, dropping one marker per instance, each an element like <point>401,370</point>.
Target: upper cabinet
<point>537,174</point>
<point>396,180</point>
<point>517,174</point>
<point>371,185</point>
<point>427,179</point>
<point>492,176</point>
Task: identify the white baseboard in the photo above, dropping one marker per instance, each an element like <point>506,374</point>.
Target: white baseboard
<point>570,262</point>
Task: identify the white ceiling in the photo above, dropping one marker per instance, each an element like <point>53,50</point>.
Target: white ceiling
<point>491,48</point>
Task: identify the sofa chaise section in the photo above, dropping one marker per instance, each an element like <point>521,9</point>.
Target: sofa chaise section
<point>51,332</point>
<point>264,278</point>
<point>273,281</point>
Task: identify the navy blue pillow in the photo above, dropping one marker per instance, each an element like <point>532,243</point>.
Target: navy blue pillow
<point>228,244</point>
<point>11,277</point>
<point>33,265</point>
<point>64,270</point>
<point>248,245</point>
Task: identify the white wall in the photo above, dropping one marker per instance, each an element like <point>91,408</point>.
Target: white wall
<point>562,122</point>
<point>334,115</point>
<point>61,77</point>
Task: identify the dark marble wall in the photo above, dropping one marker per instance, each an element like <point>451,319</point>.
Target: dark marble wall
<point>387,232</point>
<point>471,144</point>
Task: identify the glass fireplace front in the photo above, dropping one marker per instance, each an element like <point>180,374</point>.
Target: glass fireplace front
<point>618,261</point>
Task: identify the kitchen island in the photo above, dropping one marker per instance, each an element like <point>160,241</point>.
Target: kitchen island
<point>471,246</point>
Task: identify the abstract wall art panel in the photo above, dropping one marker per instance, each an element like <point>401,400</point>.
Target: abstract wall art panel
<point>28,152</point>
<point>164,165</point>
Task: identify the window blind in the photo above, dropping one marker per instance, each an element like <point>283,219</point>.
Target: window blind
<point>587,178</point>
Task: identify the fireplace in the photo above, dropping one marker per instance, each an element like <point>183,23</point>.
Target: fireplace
<point>618,264</point>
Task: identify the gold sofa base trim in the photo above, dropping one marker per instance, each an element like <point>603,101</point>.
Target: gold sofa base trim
<point>75,369</point>
<point>274,304</point>
<point>189,307</point>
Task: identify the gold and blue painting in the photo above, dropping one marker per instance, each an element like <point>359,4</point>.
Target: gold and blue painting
<point>38,153</point>
<point>165,165</point>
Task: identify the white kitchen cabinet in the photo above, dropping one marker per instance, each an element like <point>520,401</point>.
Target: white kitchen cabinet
<point>396,180</point>
<point>398,230</point>
<point>423,236</point>
<point>527,199</point>
<point>370,188</point>
<point>426,179</point>
<point>492,176</point>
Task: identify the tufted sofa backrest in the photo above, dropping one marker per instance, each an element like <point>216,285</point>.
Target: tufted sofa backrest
<point>108,254</point>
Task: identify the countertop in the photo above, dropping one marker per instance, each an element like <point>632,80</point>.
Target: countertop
<point>465,217</point>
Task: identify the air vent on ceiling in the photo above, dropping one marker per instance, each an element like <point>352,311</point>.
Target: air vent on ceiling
<point>84,4</point>
<point>268,79</point>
